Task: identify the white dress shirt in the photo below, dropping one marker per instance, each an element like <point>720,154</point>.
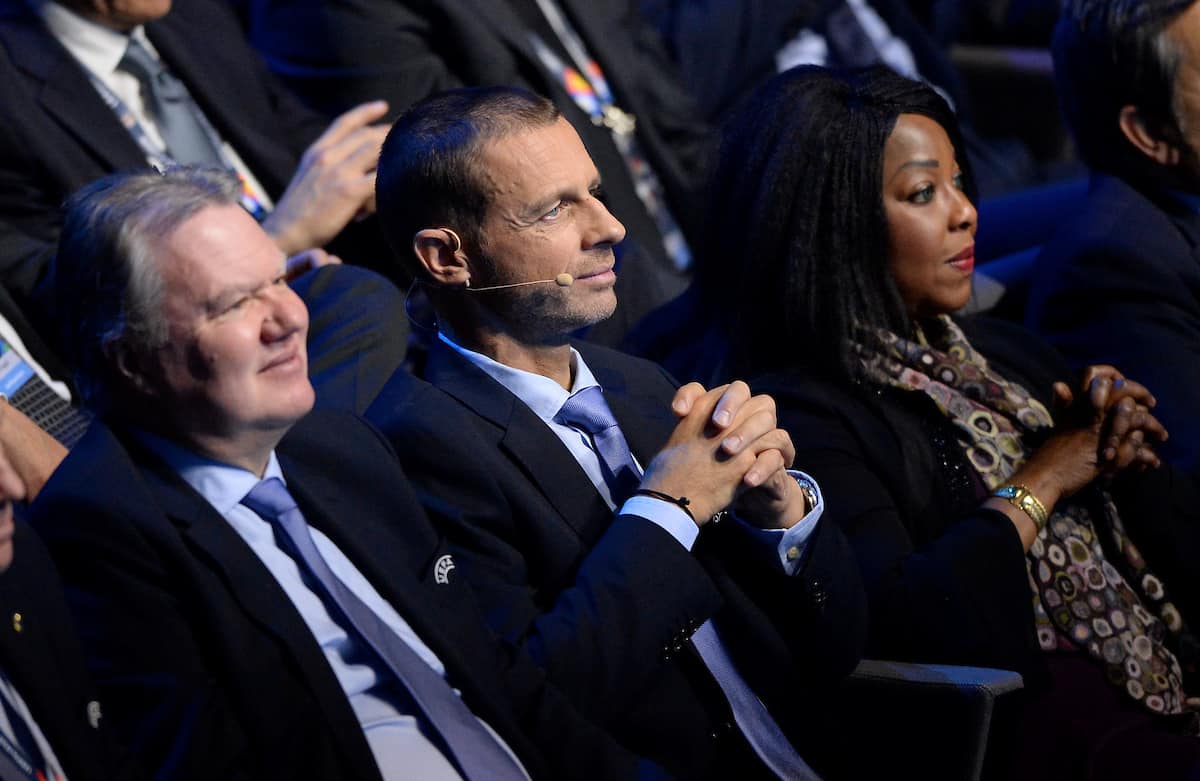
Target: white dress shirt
<point>383,707</point>
<point>545,397</point>
<point>99,50</point>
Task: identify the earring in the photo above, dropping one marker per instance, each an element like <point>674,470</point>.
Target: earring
<point>467,284</point>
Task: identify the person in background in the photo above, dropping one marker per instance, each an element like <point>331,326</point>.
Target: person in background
<point>1119,282</point>
<point>994,501</point>
<point>596,60</point>
<point>88,88</point>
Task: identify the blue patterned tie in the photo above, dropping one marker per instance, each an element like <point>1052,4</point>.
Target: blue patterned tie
<point>587,411</point>
<point>476,753</point>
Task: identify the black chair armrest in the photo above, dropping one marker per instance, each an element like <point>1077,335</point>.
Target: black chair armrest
<point>927,721</point>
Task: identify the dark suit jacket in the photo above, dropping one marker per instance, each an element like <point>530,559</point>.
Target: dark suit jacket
<point>338,52</point>
<point>208,667</point>
<point>946,580</point>
<point>40,654</point>
<point>56,133</point>
<point>606,605</point>
<point>726,48</point>
<point>357,334</point>
<point>1120,284</point>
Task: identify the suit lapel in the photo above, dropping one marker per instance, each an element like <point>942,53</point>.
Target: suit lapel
<point>585,19</point>
<point>31,657</point>
<point>403,569</point>
<point>388,559</point>
<point>1183,215</point>
<point>402,572</point>
<point>645,417</point>
<point>645,435</point>
<point>216,99</point>
<point>227,553</point>
<point>259,594</point>
<point>551,468</point>
<point>556,473</point>
<point>62,87</point>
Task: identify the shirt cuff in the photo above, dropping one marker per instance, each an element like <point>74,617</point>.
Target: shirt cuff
<point>789,545</point>
<point>666,516</point>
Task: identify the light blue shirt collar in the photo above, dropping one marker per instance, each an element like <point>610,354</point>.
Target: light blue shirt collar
<point>541,394</point>
<point>394,735</point>
<point>223,485</point>
<point>545,397</point>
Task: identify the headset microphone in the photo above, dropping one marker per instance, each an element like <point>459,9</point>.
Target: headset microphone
<point>562,280</point>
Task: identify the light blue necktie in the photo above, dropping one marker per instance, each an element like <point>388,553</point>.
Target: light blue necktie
<point>587,410</point>
<point>476,753</point>
<point>752,717</point>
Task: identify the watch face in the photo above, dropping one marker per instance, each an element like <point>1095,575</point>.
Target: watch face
<point>810,496</point>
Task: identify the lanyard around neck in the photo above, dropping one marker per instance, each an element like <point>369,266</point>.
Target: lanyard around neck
<point>160,159</point>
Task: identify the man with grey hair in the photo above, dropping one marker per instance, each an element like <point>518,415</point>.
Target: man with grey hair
<point>358,336</point>
<point>259,593</point>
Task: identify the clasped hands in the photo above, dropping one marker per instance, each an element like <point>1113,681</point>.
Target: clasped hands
<point>727,448</point>
<point>1118,410</point>
<point>1106,430</point>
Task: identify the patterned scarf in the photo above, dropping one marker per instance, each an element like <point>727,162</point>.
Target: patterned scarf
<point>1081,601</point>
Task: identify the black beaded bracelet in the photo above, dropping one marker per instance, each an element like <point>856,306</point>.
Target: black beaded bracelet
<point>680,502</point>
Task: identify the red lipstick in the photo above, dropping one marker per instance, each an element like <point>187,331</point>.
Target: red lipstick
<point>965,260</point>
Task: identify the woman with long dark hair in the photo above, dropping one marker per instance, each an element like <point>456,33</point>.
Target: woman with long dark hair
<point>992,499</point>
